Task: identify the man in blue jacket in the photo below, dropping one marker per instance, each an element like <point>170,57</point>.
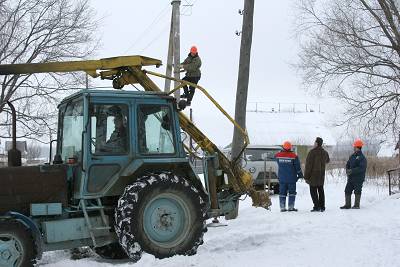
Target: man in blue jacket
<point>289,171</point>
<point>355,169</point>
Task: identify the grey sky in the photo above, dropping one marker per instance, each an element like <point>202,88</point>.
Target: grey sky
<point>211,26</point>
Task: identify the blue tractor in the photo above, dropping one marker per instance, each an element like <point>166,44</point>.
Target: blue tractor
<point>120,181</point>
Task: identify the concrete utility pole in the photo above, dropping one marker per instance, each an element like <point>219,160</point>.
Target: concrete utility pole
<point>170,57</point>
<point>174,47</point>
<point>243,76</point>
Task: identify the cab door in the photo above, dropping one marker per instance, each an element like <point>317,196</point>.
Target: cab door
<point>110,143</point>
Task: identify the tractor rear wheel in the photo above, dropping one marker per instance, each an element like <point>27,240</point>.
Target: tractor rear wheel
<point>112,251</point>
<point>17,247</point>
<point>161,214</point>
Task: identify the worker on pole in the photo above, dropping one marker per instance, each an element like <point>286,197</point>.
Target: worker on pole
<point>192,66</point>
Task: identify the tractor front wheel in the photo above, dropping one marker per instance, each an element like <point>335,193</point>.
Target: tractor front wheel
<point>161,214</point>
<point>16,245</point>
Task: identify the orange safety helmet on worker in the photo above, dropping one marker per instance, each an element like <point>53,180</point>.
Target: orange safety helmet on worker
<point>193,50</point>
<point>287,145</point>
<point>289,171</point>
<point>358,143</point>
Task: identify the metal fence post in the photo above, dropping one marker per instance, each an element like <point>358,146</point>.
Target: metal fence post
<point>398,179</point>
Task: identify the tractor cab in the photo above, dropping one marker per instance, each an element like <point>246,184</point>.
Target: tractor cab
<point>106,134</point>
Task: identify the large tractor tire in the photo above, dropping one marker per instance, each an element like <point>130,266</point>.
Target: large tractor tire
<point>161,214</point>
<point>17,247</point>
<point>112,251</point>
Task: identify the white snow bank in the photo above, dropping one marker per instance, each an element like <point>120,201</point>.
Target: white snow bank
<point>366,237</point>
<point>300,128</point>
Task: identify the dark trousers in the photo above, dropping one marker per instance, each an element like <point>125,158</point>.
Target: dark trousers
<point>353,185</point>
<point>189,92</point>
<point>318,196</point>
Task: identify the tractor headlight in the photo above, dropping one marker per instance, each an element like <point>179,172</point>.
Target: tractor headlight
<point>252,170</point>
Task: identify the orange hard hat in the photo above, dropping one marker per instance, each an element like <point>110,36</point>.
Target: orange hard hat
<point>287,145</point>
<point>358,143</point>
<point>193,49</point>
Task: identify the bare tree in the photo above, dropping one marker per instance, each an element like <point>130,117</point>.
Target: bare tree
<point>41,31</point>
<point>34,151</point>
<point>350,49</point>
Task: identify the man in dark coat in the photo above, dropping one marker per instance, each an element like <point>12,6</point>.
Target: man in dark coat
<point>289,171</point>
<point>314,174</point>
<point>355,169</point>
<point>192,66</point>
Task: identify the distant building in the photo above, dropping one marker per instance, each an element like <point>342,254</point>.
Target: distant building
<point>21,146</point>
<point>267,128</point>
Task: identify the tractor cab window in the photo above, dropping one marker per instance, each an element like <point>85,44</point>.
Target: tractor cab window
<point>155,130</point>
<point>72,127</point>
<point>109,129</point>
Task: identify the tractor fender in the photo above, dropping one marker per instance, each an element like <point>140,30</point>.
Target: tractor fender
<point>31,225</point>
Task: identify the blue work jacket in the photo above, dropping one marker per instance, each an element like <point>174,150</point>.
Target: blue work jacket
<point>289,170</point>
<point>357,163</point>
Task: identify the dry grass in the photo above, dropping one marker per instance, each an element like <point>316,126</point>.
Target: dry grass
<point>376,169</point>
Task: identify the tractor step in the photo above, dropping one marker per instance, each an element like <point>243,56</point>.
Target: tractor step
<point>100,209</point>
<point>95,208</point>
<point>100,228</point>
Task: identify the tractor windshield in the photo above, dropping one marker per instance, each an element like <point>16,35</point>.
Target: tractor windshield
<point>72,127</point>
<point>155,130</point>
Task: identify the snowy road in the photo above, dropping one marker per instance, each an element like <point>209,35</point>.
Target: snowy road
<point>366,237</point>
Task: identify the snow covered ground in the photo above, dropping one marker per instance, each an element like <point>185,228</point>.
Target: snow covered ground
<point>366,237</point>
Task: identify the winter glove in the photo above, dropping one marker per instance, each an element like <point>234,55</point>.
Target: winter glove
<point>348,172</point>
<point>299,176</point>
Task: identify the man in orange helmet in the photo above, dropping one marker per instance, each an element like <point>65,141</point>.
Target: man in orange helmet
<point>289,171</point>
<point>192,66</point>
<point>355,169</point>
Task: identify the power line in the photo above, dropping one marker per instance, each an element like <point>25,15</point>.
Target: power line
<point>154,39</point>
<point>185,8</point>
<point>147,30</point>
<point>189,6</point>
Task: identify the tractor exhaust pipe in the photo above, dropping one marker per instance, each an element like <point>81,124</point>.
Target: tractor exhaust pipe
<point>14,155</point>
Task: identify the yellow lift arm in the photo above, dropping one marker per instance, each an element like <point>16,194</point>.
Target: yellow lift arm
<point>128,70</point>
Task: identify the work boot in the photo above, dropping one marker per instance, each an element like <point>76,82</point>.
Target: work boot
<point>357,201</point>
<point>315,209</point>
<point>292,200</point>
<point>282,203</point>
<point>347,204</point>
